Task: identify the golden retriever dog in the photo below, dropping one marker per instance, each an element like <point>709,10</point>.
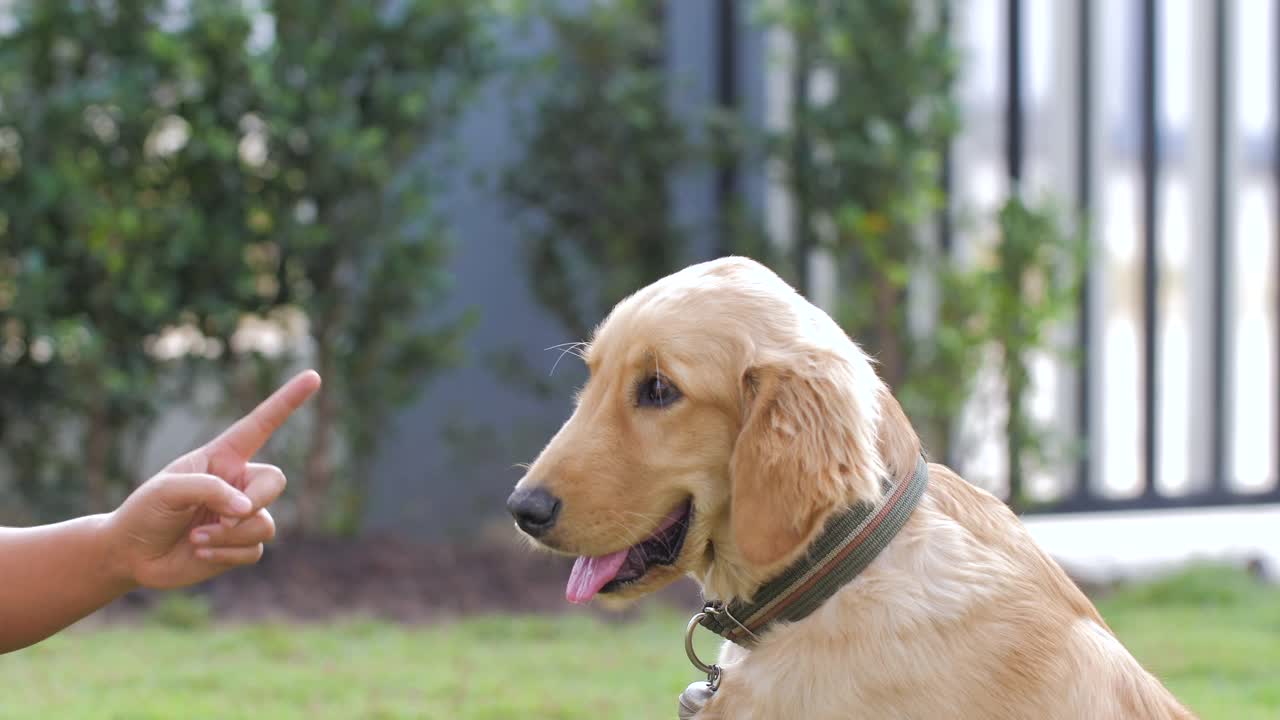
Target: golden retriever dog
<point>725,421</point>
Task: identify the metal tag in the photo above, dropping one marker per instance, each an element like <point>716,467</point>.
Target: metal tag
<point>694,698</point>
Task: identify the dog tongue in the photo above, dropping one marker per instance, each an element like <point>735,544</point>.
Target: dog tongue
<point>592,573</point>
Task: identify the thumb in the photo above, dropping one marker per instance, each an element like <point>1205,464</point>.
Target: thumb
<point>187,490</point>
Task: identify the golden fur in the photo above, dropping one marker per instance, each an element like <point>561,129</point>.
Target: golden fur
<point>783,421</point>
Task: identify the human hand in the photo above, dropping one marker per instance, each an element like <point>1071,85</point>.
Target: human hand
<point>207,511</point>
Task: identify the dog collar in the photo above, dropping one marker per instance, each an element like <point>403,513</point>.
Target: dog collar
<point>845,548</point>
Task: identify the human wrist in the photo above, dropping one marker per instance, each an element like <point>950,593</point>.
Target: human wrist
<point>110,544</point>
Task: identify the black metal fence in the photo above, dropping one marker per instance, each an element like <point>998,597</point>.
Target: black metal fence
<point>1083,492</point>
<point>1214,490</point>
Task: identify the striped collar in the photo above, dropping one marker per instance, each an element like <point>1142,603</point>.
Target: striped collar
<point>844,549</point>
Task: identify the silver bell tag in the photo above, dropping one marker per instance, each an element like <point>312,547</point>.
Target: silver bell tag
<point>698,694</point>
<point>694,698</point>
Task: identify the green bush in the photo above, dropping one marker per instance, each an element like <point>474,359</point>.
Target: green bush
<point>358,100</point>
<point>1031,286</point>
<point>172,166</point>
<point>123,208</point>
<point>872,111</point>
<point>600,150</point>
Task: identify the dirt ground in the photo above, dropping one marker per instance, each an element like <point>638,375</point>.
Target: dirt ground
<point>394,578</point>
<point>389,578</point>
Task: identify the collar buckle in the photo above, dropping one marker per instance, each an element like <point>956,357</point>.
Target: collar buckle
<point>719,611</point>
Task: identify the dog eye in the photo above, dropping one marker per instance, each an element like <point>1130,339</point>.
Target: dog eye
<point>656,391</point>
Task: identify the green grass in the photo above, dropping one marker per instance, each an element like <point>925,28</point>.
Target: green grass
<point>1212,635</point>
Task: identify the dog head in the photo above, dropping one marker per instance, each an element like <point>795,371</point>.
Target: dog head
<point>725,419</point>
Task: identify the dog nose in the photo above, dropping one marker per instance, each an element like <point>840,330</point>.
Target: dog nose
<point>535,510</point>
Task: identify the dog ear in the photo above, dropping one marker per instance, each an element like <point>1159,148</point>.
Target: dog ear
<point>806,449</point>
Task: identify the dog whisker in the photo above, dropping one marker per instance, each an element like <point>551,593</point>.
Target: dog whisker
<point>651,521</point>
<point>569,348</point>
<point>635,535</point>
<point>572,343</point>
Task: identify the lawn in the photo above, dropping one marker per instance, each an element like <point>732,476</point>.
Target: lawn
<point>1213,635</point>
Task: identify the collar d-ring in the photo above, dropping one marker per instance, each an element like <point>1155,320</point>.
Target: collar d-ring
<point>712,671</point>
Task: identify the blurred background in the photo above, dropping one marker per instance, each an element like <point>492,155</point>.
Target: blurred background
<point>1053,222</point>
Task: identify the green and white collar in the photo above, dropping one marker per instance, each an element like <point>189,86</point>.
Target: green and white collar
<point>848,544</point>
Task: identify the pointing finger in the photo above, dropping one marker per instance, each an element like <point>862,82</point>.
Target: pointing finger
<point>247,436</point>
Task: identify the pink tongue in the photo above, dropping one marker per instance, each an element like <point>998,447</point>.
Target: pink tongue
<point>592,573</point>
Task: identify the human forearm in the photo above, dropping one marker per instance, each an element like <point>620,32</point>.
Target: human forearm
<point>53,575</point>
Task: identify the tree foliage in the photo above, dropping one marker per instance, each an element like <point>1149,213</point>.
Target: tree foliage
<point>600,149</point>
<point>121,193</point>
<point>874,109</point>
<point>172,166</point>
<point>873,112</point>
<point>1033,283</point>
<point>358,100</point>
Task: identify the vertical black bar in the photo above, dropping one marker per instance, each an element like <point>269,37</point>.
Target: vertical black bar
<point>1013,158</point>
<point>1084,206</point>
<point>1150,208</point>
<point>1219,421</point>
<point>1275,165</point>
<point>727,98</point>
<point>1013,97</point>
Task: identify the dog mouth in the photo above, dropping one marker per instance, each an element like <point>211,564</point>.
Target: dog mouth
<point>612,572</point>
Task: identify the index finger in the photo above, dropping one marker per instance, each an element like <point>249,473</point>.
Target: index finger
<point>247,436</point>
